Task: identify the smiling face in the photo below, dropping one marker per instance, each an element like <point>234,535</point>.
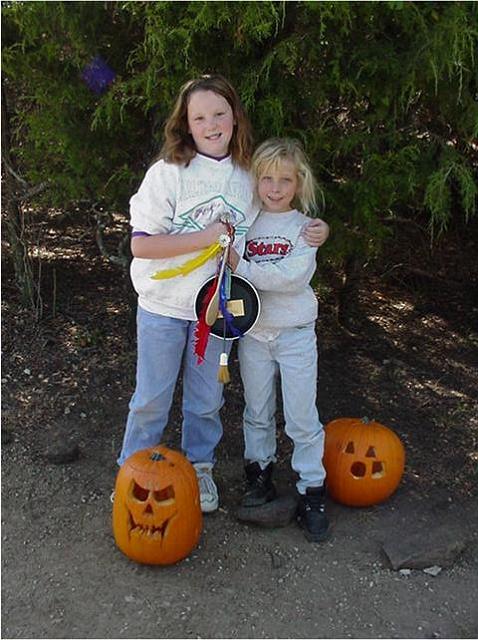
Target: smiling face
<point>210,122</point>
<point>277,187</point>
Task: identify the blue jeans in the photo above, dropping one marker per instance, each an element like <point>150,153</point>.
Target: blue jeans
<point>164,345</point>
<point>293,355</point>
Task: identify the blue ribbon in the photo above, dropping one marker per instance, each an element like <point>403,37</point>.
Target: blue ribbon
<point>228,317</point>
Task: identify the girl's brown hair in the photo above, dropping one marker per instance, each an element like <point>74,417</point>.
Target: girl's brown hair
<point>179,147</point>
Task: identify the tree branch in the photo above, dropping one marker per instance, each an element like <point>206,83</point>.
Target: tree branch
<point>121,258</point>
<point>27,191</point>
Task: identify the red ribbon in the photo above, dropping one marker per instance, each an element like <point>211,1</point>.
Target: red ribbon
<point>202,330</point>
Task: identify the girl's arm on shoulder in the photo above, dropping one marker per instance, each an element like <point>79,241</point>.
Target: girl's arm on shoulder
<point>165,245</point>
<point>316,232</point>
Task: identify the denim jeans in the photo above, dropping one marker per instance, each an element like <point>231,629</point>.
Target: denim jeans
<point>164,345</point>
<point>293,355</point>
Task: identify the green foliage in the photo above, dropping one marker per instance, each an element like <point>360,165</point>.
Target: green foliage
<point>452,181</point>
<point>383,96</point>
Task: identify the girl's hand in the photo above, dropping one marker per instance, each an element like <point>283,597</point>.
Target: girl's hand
<point>316,232</point>
<point>233,259</point>
<point>213,231</point>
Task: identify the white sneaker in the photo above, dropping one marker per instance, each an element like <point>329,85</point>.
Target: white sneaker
<point>207,487</point>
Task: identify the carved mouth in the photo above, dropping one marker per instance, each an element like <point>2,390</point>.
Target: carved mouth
<point>148,531</point>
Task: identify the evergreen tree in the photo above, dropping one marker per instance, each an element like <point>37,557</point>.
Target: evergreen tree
<point>383,96</point>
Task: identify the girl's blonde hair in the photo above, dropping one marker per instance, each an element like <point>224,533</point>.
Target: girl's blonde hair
<point>179,147</point>
<point>269,155</point>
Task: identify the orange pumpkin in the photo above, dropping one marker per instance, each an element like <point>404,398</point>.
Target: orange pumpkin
<point>157,515</point>
<point>364,461</point>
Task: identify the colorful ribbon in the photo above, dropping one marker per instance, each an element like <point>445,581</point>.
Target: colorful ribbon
<point>228,317</point>
<point>202,330</point>
<point>190,265</point>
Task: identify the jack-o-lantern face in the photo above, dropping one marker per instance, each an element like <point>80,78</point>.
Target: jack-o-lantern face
<point>360,468</point>
<point>364,461</point>
<point>150,511</point>
<point>156,512</point>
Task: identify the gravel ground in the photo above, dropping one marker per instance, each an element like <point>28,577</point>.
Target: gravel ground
<point>411,365</point>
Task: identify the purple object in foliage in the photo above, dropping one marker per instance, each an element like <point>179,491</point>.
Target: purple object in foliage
<point>98,75</point>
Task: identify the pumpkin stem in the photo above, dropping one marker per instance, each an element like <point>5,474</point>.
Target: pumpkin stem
<point>156,456</point>
<point>366,420</point>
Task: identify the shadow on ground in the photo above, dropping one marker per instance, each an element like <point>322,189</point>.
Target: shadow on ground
<point>411,365</point>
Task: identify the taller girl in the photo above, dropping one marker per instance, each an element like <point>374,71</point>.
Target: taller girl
<point>201,179</point>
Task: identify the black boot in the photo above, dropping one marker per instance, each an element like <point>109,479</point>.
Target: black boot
<point>311,514</point>
<point>260,488</point>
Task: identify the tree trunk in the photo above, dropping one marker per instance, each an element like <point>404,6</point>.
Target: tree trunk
<point>348,295</point>
<point>14,223</point>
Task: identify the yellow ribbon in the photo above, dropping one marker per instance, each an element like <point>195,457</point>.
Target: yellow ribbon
<point>190,265</point>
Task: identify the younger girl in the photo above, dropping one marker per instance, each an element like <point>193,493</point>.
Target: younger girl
<point>280,264</point>
<point>201,179</point>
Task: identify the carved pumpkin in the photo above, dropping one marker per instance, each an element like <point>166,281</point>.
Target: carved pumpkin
<point>364,461</point>
<point>157,516</point>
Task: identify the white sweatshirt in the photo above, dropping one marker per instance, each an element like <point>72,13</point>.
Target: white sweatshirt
<point>177,199</point>
<point>279,263</point>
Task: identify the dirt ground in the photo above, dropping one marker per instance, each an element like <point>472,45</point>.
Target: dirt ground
<point>411,364</point>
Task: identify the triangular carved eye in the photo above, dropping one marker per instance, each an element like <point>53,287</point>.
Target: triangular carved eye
<point>350,448</point>
<point>371,453</point>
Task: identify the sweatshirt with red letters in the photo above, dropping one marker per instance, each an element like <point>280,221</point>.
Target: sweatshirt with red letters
<point>280,264</point>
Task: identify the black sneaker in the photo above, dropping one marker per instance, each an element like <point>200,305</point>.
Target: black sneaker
<point>311,514</point>
<point>260,488</point>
